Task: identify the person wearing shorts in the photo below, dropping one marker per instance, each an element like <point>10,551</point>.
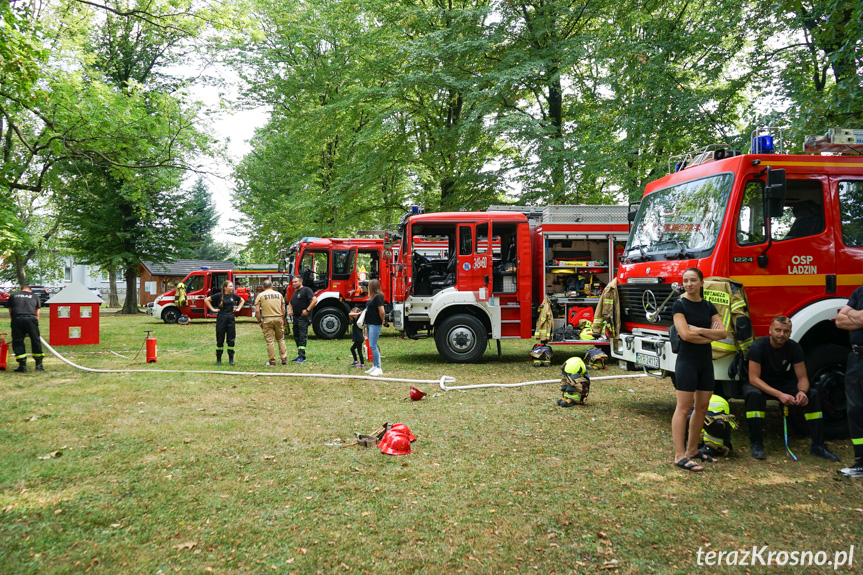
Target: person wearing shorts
<point>698,324</point>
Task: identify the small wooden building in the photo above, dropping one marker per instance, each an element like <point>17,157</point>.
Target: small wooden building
<point>74,316</point>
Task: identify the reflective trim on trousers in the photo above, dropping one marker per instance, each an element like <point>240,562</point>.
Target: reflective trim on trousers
<point>754,415</point>
<point>813,415</point>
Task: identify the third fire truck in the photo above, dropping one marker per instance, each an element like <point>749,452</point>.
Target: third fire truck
<point>788,227</point>
<point>496,270</point>
<point>338,270</point>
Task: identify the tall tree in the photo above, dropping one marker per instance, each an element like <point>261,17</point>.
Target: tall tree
<point>201,221</point>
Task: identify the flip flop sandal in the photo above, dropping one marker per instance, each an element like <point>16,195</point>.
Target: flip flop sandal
<point>683,464</point>
<point>701,456</point>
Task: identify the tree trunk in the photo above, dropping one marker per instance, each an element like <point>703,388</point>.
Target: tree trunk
<point>113,299</point>
<point>21,269</point>
<point>130,306</point>
<point>556,146</point>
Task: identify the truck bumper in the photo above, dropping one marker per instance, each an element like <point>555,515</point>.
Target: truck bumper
<point>652,352</point>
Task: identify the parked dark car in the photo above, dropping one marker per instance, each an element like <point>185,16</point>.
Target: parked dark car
<point>42,292</point>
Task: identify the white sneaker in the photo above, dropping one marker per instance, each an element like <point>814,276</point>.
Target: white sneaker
<point>370,370</point>
<point>376,372</point>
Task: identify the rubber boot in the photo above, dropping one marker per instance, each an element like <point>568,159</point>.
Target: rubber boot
<point>22,366</point>
<point>39,364</point>
<point>231,357</point>
<point>218,357</point>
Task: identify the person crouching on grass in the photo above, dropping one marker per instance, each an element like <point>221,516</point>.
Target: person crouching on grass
<point>357,339</point>
<point>698,323</point>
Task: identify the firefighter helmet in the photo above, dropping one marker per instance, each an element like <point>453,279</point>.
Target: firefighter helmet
<point>403,429</point>
<point>395,443</point>
<point>574,366</point>
<point>416,394</point>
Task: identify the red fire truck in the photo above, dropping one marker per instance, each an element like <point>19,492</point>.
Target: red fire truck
<point>496,270</point>
<point>338,270</point>
<point>789,228</point>
<point>201,283</point>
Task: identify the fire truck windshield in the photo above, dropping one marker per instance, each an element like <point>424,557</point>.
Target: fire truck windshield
<point>680,222</point>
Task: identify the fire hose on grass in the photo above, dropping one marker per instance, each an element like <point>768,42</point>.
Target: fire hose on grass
<point>442,381</point>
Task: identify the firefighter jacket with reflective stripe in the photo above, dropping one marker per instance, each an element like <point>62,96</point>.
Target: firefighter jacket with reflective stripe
<point>729,297</point>
<point>607,311</point>
<point>544,321</point>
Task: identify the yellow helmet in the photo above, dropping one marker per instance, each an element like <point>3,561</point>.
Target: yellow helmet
<point>574,366</point>
<point>718,404</point>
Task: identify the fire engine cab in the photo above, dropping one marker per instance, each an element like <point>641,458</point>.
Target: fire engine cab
<point>204,282</point>
<point>496,270</point>
<point>788,227</point>
<point>338,270</point>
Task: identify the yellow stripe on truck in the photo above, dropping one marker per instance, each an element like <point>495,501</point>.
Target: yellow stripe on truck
<point>797,280</point>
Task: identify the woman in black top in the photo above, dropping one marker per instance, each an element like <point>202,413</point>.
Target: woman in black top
<point>698,324</point>
<point>227,303</point>
<point>375,315</point>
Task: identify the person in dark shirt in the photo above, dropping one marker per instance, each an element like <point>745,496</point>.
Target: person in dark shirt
<point>24,308</point>
<point>375,317</point>
<point>850,318</point>
<point>225,304</point>
<point>698,324</point>
<point>356,338</point>
<point>303,301</point>
<point>776,369</point>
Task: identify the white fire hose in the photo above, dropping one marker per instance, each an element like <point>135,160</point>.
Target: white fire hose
<point>442,381</point>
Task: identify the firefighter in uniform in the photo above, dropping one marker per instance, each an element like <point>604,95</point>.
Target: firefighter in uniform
<point>228,303</point>
<point>24,309</point>
<point>850,318</point>
<point>776,369</point>
<point>302,303</point>
<point>270,311</point>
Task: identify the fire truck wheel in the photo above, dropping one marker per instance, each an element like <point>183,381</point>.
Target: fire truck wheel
<point>461,339</point>
<point>330,323</point>
<point>825,366</point>
<point>171,315</point>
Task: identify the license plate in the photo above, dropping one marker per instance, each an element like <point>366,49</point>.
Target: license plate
<point>647,360</point>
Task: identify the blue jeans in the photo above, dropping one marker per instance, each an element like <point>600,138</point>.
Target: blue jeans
<point>374,334</point>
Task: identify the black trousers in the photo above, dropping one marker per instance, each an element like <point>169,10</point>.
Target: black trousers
<point>357,351</point>
<point>226,326</point>
<point>27,326</point>
<point>756,405</point>
<point>301,333</point>
<point>854,402</point>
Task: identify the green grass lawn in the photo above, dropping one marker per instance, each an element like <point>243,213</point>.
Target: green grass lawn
<point>197,473</point>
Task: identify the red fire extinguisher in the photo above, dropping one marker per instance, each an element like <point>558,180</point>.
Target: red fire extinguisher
<point>4,350</point>
<point>151,347</point>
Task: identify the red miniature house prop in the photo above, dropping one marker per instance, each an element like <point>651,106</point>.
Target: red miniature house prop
<point>74,316</point>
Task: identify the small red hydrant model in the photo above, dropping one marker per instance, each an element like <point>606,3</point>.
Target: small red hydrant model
<point>151,348</point>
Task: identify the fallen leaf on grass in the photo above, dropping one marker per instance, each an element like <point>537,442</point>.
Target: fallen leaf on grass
<point>610,564</point>
<point>269,457</point>
<point>34,417</point>
<point>52,455</point>
<point>187,545</point>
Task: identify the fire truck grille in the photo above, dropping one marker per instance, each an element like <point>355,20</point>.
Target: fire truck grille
<point>632,303</point>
